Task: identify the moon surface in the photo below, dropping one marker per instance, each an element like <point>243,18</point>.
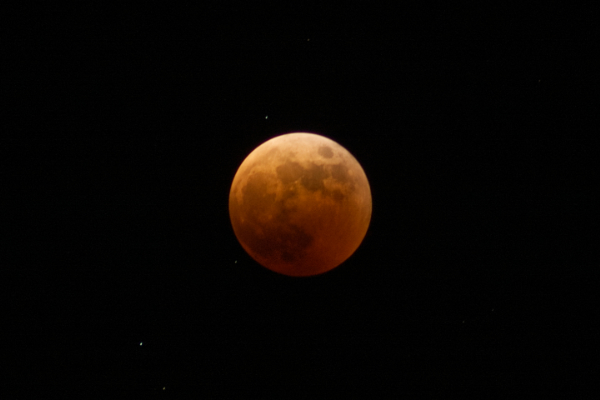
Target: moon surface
<point>300,204</point>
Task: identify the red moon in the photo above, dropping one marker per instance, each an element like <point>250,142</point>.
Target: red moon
<point>300,204</point>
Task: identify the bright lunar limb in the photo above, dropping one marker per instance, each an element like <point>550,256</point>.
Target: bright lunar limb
<point>300,204</point>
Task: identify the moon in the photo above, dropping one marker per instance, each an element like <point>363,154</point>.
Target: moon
<point>300,204</point>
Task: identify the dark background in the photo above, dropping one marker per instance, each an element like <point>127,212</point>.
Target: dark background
<point>124,128</point>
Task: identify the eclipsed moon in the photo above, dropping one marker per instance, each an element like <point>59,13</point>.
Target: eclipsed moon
<point>300,204</point>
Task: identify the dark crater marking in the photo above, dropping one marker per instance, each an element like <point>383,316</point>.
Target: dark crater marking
<point>325,151</point>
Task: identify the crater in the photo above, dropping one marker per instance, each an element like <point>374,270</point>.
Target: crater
<point>340,173</point>
<point>313,178</point>
<point>325,151</point>
<point>289,172</point>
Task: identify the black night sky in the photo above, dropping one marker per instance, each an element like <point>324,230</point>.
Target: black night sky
<point>124,129</point>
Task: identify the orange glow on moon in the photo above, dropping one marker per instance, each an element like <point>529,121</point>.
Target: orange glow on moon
<point>300,204</point>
